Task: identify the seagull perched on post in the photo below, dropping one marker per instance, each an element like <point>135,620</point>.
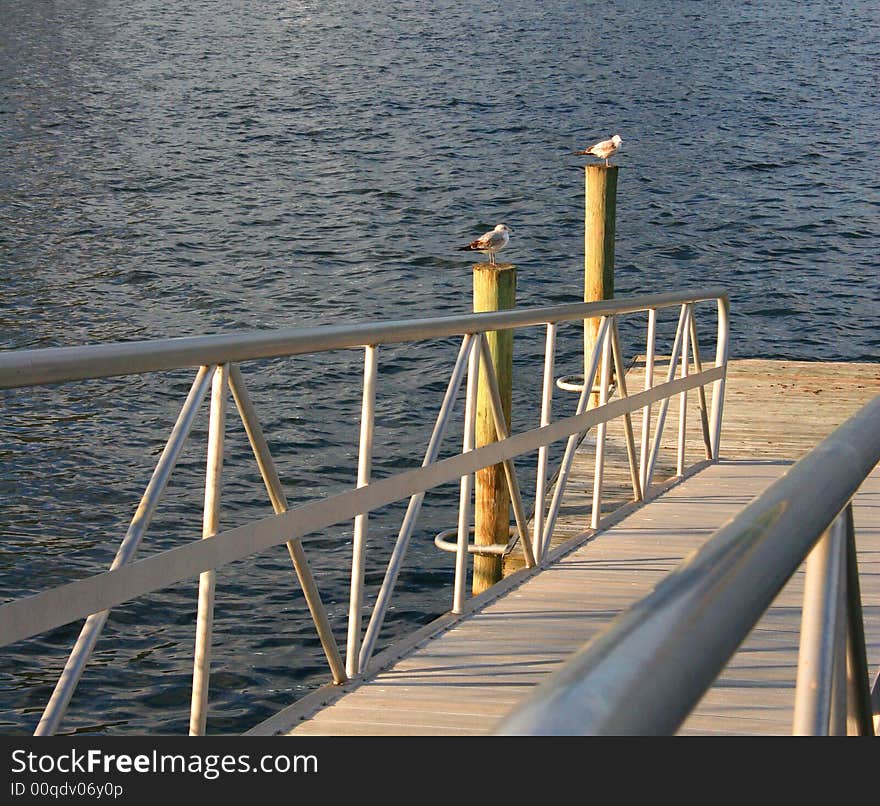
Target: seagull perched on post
<point>604,149</point>
<point>490,242</point>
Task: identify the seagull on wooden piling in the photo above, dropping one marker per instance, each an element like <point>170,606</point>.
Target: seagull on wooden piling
<point>604,149</point>
<point>490,242</point>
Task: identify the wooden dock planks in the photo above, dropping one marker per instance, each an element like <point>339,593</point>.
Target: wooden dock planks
<point>772,410</point>
<point>462,679</point>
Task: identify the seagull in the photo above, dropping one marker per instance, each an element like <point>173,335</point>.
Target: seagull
<point>490,242</point>
<point>604,149</point>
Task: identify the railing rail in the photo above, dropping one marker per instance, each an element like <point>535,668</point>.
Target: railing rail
<point>217,357</point>
<point>58,364</point>
<point>645,673</point>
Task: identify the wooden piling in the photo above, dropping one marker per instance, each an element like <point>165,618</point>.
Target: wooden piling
<point>600,215</point>
<point>494,290</point>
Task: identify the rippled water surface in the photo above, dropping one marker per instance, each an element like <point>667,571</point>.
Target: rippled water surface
<point>174,169</point>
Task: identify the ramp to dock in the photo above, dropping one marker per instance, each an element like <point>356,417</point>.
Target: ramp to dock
<point>462,675</point>
<point>464,679</point>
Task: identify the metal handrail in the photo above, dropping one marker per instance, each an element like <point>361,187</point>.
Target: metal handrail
<point>216,357</point>
<point>58,364</point>
<point>645,673</point>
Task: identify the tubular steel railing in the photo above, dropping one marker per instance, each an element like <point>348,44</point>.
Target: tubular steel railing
<point>645,673</point>
<point>217,359</point>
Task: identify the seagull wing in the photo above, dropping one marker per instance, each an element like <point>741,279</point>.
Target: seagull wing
<point>488,240</point>
<point>480,243</point>
<point>483,242</point>
<point>493,240</point>
<point>593,150</point>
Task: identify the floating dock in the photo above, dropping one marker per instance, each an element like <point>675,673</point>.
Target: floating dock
<point>462,674</point>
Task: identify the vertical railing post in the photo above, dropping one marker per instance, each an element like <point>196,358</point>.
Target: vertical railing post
<point>359,540</point>
<point>210,525</point>
<point>683,397</point>
<point>467,481</point>
<point>837,717</point>
<point>543,451</point>
<point>650,343</point>
<point>605,380</point>
<point>860,720</point>
<point>721,353</point>
<point>820,636</point>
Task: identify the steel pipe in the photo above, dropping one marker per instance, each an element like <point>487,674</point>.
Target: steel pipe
<point>359,541</point>
<point>56,364</point>
<point>683,397</point>
<point>650,342</point>
<point>620,371</point>
<point>210,525</point>
<point>721,354</point>
<point>858,699</point>
<point>837,720</point>
<point>467,481</point>
<point>543,451</point>
<point>821,644</point>
<point>599,473</point>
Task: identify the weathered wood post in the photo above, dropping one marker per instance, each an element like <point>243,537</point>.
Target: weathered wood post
<point>494,290</point>
<point>600,214</point>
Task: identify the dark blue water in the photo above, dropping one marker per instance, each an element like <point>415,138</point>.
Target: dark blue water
<point>174,169</point>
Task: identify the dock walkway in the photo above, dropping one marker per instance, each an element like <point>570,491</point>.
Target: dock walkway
<point>462,674</point>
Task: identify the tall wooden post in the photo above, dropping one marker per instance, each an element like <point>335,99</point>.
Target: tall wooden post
<point>600,214</point>
<point>494,290</point>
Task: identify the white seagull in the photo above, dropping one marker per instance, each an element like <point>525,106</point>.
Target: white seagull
<point>604,149</point>
<point>490,242</point>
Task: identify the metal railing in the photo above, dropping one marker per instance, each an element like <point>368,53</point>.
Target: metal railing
<point>645,673</point>
<point>217,359</point>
